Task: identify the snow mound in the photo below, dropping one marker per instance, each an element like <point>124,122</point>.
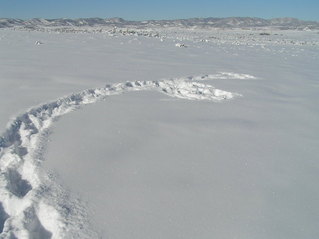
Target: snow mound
<point>225,76</point>
<point>181,45</point>
<point>32,204</point>
<point>38,43</point>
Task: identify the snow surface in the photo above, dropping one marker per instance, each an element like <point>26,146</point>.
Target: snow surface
<point>144,165</point>
<point>24,190</point>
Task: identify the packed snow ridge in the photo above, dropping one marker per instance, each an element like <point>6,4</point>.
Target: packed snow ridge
<point>32,204</point>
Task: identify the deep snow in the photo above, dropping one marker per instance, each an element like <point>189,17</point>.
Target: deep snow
<point>143,165</point>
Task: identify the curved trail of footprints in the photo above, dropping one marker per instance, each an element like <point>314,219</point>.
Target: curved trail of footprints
<point>32,204</point>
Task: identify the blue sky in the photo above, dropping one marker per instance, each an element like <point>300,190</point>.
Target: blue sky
<point>160,9</point>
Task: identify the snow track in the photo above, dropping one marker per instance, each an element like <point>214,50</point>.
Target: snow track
<point>32,204</point>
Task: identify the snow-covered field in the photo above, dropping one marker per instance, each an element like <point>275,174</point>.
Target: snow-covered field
<point>184,134</point>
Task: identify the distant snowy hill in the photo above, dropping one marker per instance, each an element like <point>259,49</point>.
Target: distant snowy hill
<point>230,22</point>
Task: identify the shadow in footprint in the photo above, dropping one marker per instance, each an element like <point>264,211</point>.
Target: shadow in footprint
<point>34,226</point>
<point>16,185</point>
<point>3,217</point>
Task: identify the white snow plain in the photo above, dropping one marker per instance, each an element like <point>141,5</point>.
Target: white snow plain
<point>145,165</point>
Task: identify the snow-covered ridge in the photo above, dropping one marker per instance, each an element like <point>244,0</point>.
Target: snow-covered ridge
<point>32,204</point>
<point>229,22</point>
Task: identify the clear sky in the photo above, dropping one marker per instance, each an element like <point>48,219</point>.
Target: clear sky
<point>160,9</point>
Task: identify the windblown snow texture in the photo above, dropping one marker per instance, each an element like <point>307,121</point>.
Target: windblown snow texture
<point>32,205</point>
